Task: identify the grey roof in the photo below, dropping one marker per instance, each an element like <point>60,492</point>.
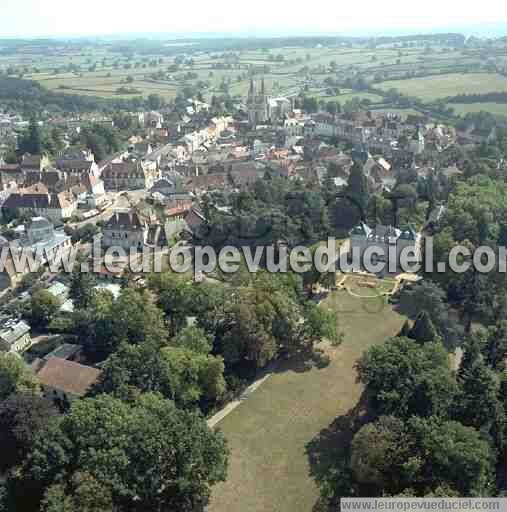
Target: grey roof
<point>39,222</point>
<point>163,183</point>
<point>78,165</point>
<point>124,220</point>
<point>64,351</point>
<point>11,333</point>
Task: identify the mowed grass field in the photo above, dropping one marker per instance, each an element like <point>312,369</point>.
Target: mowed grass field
<point>268,434</point>
<point>466,108</point>
<point>430,88</point>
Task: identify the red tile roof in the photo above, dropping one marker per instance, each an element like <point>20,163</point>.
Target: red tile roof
<point>68,376</point>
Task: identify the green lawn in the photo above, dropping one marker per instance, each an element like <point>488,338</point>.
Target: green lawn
<point>493,108</point>
<point>429,88</point>
<point>347,96</point>
<point>403,112</point>
<point>269,433</point>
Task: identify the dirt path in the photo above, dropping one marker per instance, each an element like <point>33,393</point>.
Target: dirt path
<point>220,415</point>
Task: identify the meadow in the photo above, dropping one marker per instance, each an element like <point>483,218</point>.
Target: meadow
<point>429,88</point>
<point>109,70</point>
<point>273,433</point>
<point>467,108</point>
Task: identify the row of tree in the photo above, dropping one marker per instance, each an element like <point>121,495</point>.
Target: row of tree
<point>430,431</point>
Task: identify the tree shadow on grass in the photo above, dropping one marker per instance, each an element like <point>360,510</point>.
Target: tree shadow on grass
<point>304,361</point>
<point>329,453</point>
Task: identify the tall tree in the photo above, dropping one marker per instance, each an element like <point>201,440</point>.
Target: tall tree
<point>31,141</point>
<point>15,376</point>
<point>422,456</point>
<point>81,288</point>
<point>357,188</point>
<point>22,417</point>
<point>44,306</point>
<point>148,454</point>
<point>423,330</point>
<point>404,378</point>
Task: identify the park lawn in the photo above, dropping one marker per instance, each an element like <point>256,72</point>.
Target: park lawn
<point>269,433</point>
<point>432,87</point>
<point>466,108</point>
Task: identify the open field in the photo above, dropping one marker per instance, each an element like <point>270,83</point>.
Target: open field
<point>165,68</point>
<point>348,95</point>
<point>466,108</point>
<point>269,433</point>
<point>105,84</point>
<point>403,112</point>
<point>430,88</point>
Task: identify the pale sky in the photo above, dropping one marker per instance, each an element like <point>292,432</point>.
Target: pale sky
<point>20,18</point>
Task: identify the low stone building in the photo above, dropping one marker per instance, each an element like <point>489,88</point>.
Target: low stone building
<point>56,207</point>
<point>125,229</point>
<point>130,174</point>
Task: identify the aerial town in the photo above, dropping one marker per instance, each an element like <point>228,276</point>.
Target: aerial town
<point>191,391</point>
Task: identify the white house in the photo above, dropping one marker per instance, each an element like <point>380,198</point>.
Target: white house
<point>15,336</point>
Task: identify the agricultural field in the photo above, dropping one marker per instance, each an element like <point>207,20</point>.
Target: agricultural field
<point>467,108</point>
<point>276,435</point>
<point>141,69</point>
<point>348,95</point>
<point>429,88</point>
<point>403,112</point>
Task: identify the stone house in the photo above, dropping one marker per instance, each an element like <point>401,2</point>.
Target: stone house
<point>382,237</point>
<point>54,206</point>
<point>126,229</point>
<point>130,174</point>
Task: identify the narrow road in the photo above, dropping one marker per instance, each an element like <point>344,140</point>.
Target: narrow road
<point>220,415</point>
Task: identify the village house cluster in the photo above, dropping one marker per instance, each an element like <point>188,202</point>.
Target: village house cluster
<point>150,193</point>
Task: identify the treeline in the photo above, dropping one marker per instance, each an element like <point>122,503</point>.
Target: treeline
<point>426,427</point>
<point>30,97</point>
<point>490,97</point>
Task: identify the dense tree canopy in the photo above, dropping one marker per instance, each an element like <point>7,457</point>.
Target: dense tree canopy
<point>146,455</point>
<point>15,376</point>
<point>404,378</point>
<point>390,455</point>
<point>22,416</point>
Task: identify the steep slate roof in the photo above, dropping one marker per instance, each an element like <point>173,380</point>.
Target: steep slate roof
<point>74,164</point>
<point>36,201</point>
<point>31,161</point>
<point>124,220</point>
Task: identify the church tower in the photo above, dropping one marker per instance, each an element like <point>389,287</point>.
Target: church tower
<point>257,104</point>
